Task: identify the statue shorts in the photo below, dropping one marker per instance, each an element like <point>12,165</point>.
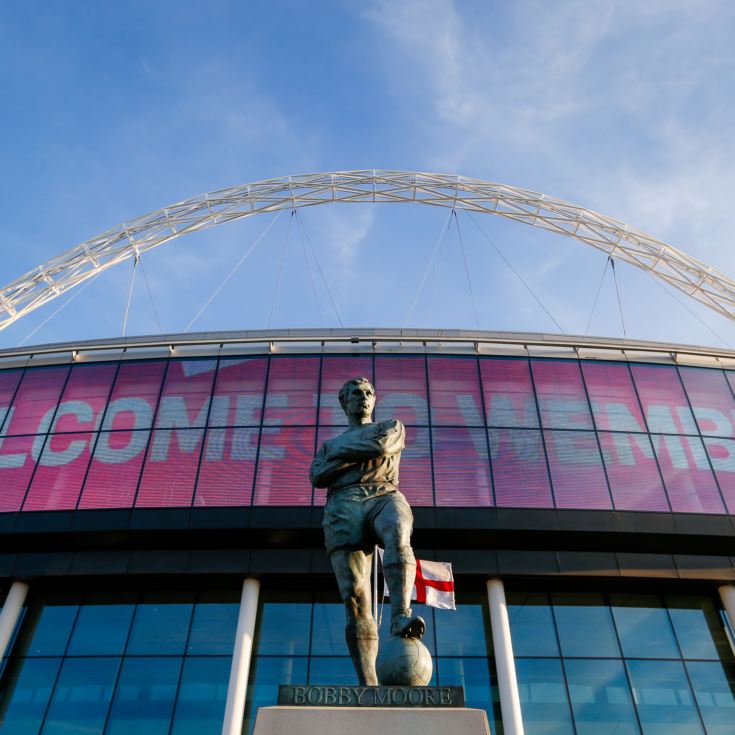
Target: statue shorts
<point>350,514</point>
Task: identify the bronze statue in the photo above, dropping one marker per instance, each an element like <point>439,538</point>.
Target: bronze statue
<point>364,507</point>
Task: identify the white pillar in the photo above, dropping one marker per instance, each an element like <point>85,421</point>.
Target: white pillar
<point>727,594</point>
<point>510,702</point>
<point>11,612</point>
<point>237,689</point>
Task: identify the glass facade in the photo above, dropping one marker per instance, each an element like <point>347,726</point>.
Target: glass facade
<point>482,431</point>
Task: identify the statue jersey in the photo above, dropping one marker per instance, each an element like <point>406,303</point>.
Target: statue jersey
<point>365,456</point>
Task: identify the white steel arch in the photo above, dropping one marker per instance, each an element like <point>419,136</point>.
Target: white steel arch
<point>61,273</point>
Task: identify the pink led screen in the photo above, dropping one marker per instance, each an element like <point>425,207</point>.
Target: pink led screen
<point>242,431</point>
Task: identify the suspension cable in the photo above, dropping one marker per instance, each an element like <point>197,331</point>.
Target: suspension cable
<point>597,295</point>
<point>232,272</point>
<point>309,268</point>
<point>439,239</point>
<point>136,260</point>
<point>516,273</point>
<point>437,275</point>
<point>150,294</point>
<point>466,268</point>
<point>620,300</point>
<point>280,267</point>
<point>321,272</point>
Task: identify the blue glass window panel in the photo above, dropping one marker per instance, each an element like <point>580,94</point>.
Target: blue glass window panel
<point>283,628</point>
<point>461,632</point>
<point>26,688</point>
<point>144,696</point>
<point>643,626</point>
<point>101,630</point>
<point>332,670</point>
<point>200,707</point>
<point>600,695</point>
<point>328,630</point>
<point>474,675</point>
<point>714,688</point>
<point>663,697</point>
<point>585,626</point>
<point>45,629</point>
<point>698,628</point>
<point>544,702</point>
<point>82,696</point>
<point>531,625</point>
<point>266,674</point>
<point>214,623</point>
<point>160,627</point>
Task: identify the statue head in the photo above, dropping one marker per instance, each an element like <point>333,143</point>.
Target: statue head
<point>357,398</point>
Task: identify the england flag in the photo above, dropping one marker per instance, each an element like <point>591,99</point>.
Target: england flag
<point>434,584</point>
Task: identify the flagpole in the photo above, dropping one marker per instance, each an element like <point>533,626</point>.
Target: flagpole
<point>375,584</point>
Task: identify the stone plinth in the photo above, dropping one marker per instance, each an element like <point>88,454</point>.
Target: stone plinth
<point>370,721</point>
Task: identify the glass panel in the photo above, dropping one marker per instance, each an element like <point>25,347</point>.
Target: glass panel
<point>283,628</point>
<point>266,674</point>
<point>400,383</point>
<point>689,481</point>
<point>214,623</point>
<point>711,399</point>
<point>135,395</point>
<point>474,675</point>
<point>58,479</point>
<point>170,469</point>
<point>519,469</point>
<point>46,627</point>
<point>643,626</point>
<point>663,697</point>
<point>531,625</point>
<point>336,371</point>
<point>82,696</point>
<point>227,468</point>
<point>600,697</point>
<point>544,703</point>
<point>144,696</point>
<point>576,470</point>
<point>698,627</point>
<point>615,405</point>
<point>454,392</point>
<point>200,707</point>
<point>324,433</point>
<point>509,399</point>
<point>561,396</point>
<point>415,469</point>
<point>238,392</point>
<point>115,469</point>
<point>332,670</point>
<point>714,688</point>
<point>328,630</point>
<point>722,456</point>
<point>9,380</point>
<point>101,630</point>
<point>85,397</point>
<point>292,388</point>
<point>632,471</point>
<point>664,403</point>
<point>186,394</point>
<point>461,632</point>
<point>16,466</point>
<point>584,625</point>
<point>283,467</point>
<point>35,402</point>
<point>461,467</point>
<point>160,625</point>
<point>24,694</point>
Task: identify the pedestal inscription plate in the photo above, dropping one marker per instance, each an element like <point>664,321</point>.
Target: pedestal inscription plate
<point>365,696</point>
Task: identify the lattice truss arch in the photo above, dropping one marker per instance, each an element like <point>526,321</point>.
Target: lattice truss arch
<point>71,268</point>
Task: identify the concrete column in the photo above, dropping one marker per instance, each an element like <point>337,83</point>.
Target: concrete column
<point>11,612</point>
<point>727,594</point>
<point>237,689</point>
<point>510,702</point>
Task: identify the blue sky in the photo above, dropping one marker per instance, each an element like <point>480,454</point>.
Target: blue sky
<point>111,110</point>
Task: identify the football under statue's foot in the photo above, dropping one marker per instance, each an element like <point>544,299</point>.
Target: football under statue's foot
<point>408,626</point>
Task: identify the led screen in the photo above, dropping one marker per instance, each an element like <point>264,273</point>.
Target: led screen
<point>481,432</point>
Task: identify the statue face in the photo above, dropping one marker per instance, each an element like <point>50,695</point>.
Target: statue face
<point>360,401</point>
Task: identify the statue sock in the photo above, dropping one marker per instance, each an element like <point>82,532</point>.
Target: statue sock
<point>362,643</point>
<point>400,578</point>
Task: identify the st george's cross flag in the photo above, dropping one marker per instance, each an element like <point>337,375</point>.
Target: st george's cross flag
<point>434,585</point>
